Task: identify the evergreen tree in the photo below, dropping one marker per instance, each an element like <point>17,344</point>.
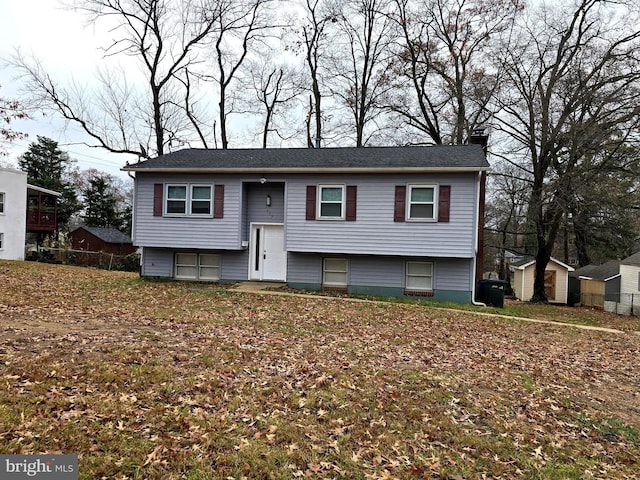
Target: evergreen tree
<point>100,204</point>
<point>126,219</point>
<point>49,167</point>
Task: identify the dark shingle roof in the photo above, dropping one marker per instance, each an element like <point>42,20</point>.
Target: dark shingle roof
<point>108,235</point>
<point>632,260</point>
<point>583,271</point>
<point>604,271</point>
<point>441,157</point>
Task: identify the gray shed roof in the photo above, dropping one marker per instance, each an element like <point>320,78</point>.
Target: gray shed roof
<point>604,272</point>
<point>107,235</point>
<point>632,260</point>
<point>583,271</point>
<point>388,159</point>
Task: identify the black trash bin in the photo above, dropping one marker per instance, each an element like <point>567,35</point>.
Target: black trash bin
<point>480,291</point>
<point>491,292</point>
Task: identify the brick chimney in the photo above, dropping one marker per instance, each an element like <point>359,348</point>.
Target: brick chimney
<point>480,137</point>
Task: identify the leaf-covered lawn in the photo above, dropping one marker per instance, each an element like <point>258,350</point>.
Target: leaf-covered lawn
<point>179,380</point>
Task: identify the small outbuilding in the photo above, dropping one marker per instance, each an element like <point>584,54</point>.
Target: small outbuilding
<point>556,280</point>
<point>598,283</point>
<point>107,240</point>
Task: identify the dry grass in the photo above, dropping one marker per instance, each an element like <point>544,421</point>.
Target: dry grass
<point>177,380</point>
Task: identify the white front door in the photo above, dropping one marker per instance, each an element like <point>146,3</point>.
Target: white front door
<point>268,257</point>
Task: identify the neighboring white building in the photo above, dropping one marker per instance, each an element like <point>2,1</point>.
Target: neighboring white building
<point>630,285</point>
<point>13,208</point>
<point>630,272</point>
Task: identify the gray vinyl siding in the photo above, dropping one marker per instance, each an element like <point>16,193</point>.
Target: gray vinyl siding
<point>256,210</point>
<point>454,274</point>
<point>374,231</point>
<point>375,246</point>
<point>304,268</point>
<point>234,265</point>
<point>187,232</point>
<point>450,274</point>
<point>158,262</point>
<point>376,271</point>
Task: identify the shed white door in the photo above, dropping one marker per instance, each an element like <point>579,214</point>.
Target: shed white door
<point>268,257</point>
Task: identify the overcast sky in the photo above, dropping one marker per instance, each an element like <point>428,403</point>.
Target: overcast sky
<point>66,47</point>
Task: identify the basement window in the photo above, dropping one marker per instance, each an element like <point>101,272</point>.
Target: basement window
<point>335,272</point>
<point>419,277</point>
<point>193,266</point>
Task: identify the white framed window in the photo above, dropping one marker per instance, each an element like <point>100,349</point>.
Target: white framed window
<point>186,266</point>
<point>189,199</point>
<point>201,200</point>
<point>419,276</point>
<point>193,266</point>
<point>1,203</point>
<point>1,241</point>
<point>421,202</point>
<point>176,203</point>
<point>331,202</point>
<point>335,272</point>
<point>208,266</point>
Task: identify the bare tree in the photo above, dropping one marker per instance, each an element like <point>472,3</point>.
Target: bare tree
<point>443,45</point>
<point>239,25</point>
<point>194,109</point>
<point>320,15</point>
<point>161,35</point>
<point>572,78</point>
<point>506,212</point>
<point>10,110</point>
<point>363,77</point>
<point>275,89</point>
<point>603,202</point>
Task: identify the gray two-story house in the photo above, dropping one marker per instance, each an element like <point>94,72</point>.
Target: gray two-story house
<point>383,220</point>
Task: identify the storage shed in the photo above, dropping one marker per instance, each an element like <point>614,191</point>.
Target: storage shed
<point>107,240</point>
<point>556,280</point>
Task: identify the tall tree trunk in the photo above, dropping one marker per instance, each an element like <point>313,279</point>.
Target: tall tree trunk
<point>223,122</point>
<point>543,255</point>
<point>580,230</point>
<point>317,96</point>
<point>157,120</point>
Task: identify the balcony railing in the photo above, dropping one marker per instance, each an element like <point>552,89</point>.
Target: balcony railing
<point>41,212</point>
<point>38,221</point>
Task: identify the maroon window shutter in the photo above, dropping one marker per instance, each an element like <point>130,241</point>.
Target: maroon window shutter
<point>444,203</point>
<point>352,194</point>
<point>311,202</point>
<point>218,201</point>
<point>400,203</point>
<point>158,191</point>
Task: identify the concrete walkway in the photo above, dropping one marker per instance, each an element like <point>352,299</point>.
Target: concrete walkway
<point>270,288</point>
<point>255,287</point>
